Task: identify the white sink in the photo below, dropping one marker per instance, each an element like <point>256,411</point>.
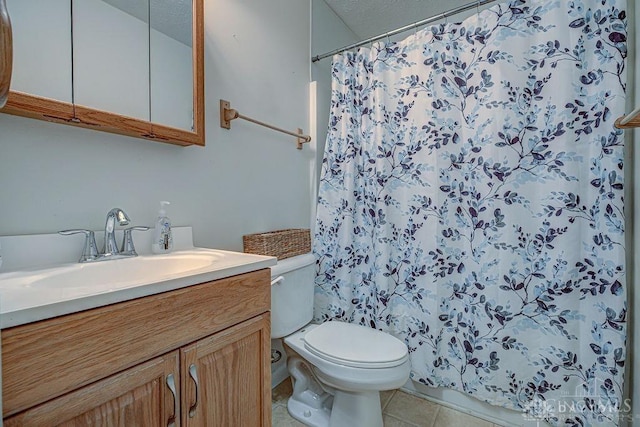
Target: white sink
<point>30,295</point>
<point>113,273</point>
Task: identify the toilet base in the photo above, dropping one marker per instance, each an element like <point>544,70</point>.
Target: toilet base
<point>309,403</point>
<point>316,405</point>
<point>356,409</point>
<point>307,414</point>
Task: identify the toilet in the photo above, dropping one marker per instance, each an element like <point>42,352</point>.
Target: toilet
<point>338,369</point>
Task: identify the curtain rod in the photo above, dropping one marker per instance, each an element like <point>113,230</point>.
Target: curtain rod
<point>417,24</point>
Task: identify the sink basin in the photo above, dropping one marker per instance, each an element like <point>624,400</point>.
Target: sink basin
<point>42,282</point>
<point>114,273</point>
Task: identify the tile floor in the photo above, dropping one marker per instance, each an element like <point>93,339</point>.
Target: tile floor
<point>399,409</point>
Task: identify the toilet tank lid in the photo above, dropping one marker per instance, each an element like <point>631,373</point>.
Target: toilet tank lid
<point>290,264</point>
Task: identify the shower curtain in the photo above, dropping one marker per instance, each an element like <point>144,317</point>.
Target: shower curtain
<point>471,204</point>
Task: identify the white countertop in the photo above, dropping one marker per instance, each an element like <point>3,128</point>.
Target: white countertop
<point>29,295</point>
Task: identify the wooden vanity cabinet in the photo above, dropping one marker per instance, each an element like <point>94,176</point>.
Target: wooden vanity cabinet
<point>112,365</point>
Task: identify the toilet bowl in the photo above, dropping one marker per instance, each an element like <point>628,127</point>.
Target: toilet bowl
<point>337,368</point>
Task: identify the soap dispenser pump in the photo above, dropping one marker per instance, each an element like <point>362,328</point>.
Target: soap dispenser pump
<point>162,238</point>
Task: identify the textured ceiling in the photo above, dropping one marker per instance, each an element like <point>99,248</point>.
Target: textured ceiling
<point>369,18</point>
<point>172,18</point>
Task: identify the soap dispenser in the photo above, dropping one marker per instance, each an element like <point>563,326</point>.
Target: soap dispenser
<point>162,238</point>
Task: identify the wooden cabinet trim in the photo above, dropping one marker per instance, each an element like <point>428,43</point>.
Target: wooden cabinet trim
<point>46,359</point>
<point>37,107</point>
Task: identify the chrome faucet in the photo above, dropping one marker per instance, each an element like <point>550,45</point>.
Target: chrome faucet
<point>110,246</point>
<point>111,251</point>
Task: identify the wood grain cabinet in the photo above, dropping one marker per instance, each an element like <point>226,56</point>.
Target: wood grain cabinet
<point>136,397</point>
<point>117,67</point>
<point>224,386</point>
<point>198,356</point>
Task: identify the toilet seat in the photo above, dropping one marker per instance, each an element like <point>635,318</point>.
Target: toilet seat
<point>355,346</point>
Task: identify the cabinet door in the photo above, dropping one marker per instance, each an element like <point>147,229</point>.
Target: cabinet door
<point>226,377</point>
<point>139,396</point>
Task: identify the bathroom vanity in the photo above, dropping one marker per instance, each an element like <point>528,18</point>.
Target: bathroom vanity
<point>193,354</point>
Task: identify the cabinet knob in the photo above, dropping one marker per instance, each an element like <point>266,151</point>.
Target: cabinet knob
<point>193,373</point>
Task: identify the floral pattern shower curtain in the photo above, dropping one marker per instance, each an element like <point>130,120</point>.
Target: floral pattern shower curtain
<point>471,203</point>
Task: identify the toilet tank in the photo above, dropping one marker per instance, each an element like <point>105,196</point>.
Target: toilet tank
<point>291,294</point>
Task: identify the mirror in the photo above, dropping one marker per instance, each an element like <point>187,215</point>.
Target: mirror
<point>41,26</point>
<point>111,57</point>
<point>133,67</point>
<point>171,65</point>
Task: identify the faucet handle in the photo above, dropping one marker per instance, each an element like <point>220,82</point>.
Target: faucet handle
<point>127,241</point>
<point>90,250</point>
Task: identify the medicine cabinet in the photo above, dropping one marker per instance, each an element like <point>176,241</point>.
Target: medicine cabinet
<point>132,67</point>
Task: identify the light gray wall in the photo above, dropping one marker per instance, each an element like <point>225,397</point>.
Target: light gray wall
<point>247,179</point>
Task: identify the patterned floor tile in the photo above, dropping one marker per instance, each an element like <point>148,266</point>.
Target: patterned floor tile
<point>450,418</point>
<point>280,418</point>
<point>412,409</point>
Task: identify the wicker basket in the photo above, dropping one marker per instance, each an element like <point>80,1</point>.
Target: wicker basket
<point>280,243</point>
